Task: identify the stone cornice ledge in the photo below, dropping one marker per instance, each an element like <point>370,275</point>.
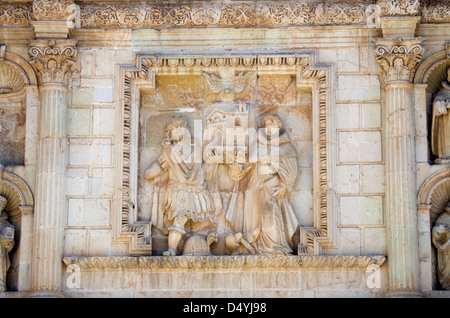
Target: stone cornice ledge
<point>241,262</point>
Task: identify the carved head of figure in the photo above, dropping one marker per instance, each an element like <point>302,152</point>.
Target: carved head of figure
<point>176,131</point>
<point>272,124</point>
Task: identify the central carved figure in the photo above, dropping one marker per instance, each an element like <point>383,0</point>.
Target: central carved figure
<point>188,206</point>
<point>233,186</point>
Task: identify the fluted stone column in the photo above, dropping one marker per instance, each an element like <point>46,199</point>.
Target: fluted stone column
<point>399,58</point>
<point>52,60</point>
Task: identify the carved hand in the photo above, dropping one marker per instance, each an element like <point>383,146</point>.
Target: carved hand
<point>441,107</point>
<point>154,171</point>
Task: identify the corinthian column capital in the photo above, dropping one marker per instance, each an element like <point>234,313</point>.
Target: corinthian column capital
<point>53,59</point>
<point>399,57</point>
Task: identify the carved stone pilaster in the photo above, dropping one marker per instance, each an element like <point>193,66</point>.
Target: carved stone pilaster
<point>53,59</point>
<point>399,57</point>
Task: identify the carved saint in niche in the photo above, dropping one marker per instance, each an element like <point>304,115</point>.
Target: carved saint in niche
<point>270,222</point>
<point>441,240</point>
<point>6,242</point>
<point>188,207</point>
<point>440,128</point>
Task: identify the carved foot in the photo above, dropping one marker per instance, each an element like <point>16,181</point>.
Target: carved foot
<point>170,252</point>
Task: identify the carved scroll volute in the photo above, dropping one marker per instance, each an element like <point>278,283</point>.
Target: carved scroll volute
<point>53,60</point>
<point>399,58</point>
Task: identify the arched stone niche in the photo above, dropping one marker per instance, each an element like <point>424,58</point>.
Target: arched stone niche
<point>20,215</point>
<point>432,73</point>
<point>432,198</point>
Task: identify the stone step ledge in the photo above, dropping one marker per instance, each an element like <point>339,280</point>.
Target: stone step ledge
<point>241,262</point>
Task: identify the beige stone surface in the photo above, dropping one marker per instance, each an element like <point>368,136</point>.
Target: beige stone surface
<point>325,68</point>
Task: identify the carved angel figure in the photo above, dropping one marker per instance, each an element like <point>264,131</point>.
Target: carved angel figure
<point>6,242</point>
<point>188,206</point>
<point>270,221</point>
<point>441,240</point>
<point>227,83</point>
<point>440,127</point>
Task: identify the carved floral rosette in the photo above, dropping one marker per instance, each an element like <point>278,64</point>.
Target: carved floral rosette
<point>53,60</point>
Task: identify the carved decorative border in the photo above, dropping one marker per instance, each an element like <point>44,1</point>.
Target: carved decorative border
<point>226,262</point>
<point>154,14</point>
<point>142,77</point>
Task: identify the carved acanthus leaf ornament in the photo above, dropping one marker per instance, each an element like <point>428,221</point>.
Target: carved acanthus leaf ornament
<point>399,58</point>
<point>52,60</point>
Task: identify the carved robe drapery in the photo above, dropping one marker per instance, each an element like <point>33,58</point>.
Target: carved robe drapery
<point>441,240</point>
<point>270,221</point>
<point>6,243</point>
<point>186,192</point>
<point>440,129</point>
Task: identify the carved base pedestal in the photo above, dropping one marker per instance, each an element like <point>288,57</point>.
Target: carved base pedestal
<point>404,293</point>
<point>198,244</point>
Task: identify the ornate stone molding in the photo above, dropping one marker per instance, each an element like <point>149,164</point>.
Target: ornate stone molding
<point>15,14</point>
<point>53,10</point>
<point>253,262</point>
<point>399,58</point>
<point>52,59</point>
<point>236,14</point>
<point>398,7</point>
<point>435,11</point>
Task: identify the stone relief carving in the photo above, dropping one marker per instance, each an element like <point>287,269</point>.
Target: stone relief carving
<point>134,210</point>
<point>269,221</point>
<point>435,11</point>
<point>201,14</point>
<point>53,9</point>
<point>188,208</point>
<point>256,216</point>
<point>6,242</point>
<point>16,14</point>
<point>440,126</point>
<point>398,7</point>
<point>227,85</point>
<point>441,240</point>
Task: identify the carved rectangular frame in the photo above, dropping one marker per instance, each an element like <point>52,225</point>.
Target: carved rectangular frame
<point>140,78</point>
